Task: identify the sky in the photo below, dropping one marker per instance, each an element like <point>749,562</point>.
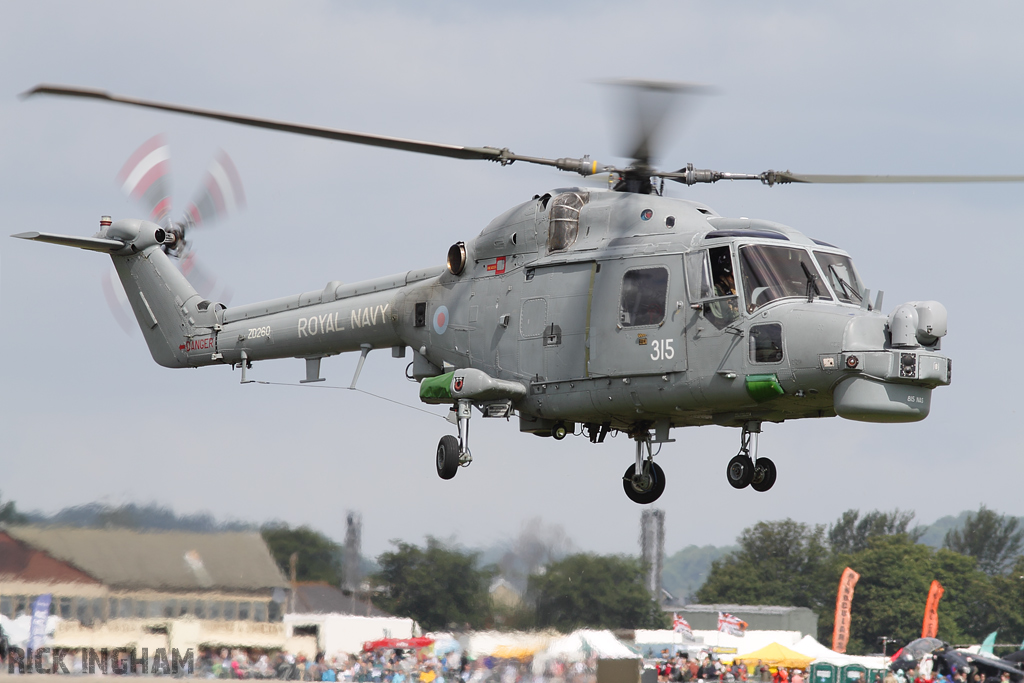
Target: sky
<point>872,87</point>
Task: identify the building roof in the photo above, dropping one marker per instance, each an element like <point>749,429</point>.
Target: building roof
<point>24,563</point>
<point>163,560</point>
<point>316,597</point>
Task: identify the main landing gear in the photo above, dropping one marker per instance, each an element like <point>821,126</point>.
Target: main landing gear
<point>453,453</point>
<point>746,469</point>
<point>643,481</point>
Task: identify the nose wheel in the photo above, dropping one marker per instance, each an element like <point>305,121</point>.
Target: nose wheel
<point>643,481</point>
<point>746,469</point>
<point>453,453</point>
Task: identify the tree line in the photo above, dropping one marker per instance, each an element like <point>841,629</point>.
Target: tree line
<point>791,563</point>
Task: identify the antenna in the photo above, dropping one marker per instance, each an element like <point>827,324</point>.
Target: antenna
<point>351,561</point>
<point>652,548</point>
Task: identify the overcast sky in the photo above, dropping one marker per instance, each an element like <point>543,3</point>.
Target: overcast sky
<point>869,87</point>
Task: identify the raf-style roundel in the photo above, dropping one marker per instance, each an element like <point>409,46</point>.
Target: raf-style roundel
<point>441,319</point>
<point>457,386</point>
<point>646,215</point>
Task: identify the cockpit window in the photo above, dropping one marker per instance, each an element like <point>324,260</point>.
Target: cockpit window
<point>564,219</point>
<point>841,275</point>
<point>644,293</point>
<point>771,273</point>
<point>711,280</point>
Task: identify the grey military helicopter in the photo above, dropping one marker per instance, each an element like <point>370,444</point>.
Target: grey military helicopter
<point>580,309</point>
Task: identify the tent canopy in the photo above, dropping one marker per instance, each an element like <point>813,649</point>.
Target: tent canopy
<point>777,655</point>
<point>397,644</point>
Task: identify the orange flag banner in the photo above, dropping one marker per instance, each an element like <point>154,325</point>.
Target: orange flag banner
<point>930,627</point>
<point>844,599</point>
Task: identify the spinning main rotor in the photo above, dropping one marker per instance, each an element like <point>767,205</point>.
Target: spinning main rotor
<point>637,176</point>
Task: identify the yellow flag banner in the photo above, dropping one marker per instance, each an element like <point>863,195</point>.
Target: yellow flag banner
<point>930,627</point>
<point>844,599</point>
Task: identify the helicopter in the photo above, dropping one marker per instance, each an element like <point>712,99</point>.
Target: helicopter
<point>582,311</point>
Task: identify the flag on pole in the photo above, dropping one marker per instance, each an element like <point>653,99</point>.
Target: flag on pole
<point>930,627</point>
<point>733,625</point>
<point>844,598</point>
<point>680,625</point>
<point>37,628</point>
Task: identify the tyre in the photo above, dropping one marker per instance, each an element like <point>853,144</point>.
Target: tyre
<point>740,471</point>
<point>559,431</point>
<point>649,488</point>
<point>447,456</point>
<point>764,475</point>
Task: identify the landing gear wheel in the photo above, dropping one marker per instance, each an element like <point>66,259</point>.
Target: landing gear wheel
<point>559,431</point>
<point>447,456</point>
<point>740,471</point>
<point>648,487</point>
<point>764,475</point>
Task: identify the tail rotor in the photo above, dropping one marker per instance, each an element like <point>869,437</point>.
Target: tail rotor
<point>145,178</point>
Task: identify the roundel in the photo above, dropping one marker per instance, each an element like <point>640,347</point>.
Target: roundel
<point>646,215</point>
<point>441,319</point>
<point>457,386</point>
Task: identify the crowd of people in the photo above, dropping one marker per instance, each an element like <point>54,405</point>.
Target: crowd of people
<point>683,669</point>
<point>386,666</point>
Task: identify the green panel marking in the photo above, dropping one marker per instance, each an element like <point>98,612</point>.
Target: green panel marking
<point>437,389</point>
<point>762,387</point>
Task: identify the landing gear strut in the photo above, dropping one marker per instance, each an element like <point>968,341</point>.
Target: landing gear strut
<point>643,481</point>
<point>453,453</point>
<point>746,469</point>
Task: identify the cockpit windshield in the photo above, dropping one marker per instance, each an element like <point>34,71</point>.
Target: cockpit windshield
<point>771,272</point>
<point>841,275</point>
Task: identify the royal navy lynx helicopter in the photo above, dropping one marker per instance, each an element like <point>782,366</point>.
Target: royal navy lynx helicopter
<point>579,311</point>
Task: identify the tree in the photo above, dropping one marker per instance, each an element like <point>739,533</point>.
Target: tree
<point>778,563</point>
<point>9,514</point>
<point>851,532</point>
<point>598,591</point>
<point>994,540</point>
<point>319,558</point>
<point>438,586</point>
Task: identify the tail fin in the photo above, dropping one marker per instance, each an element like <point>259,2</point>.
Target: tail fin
<point>166,306</point>
<point>161,299</point>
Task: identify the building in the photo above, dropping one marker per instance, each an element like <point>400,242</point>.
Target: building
<point>758,617</point>
<point>339,621</point>
<point>127,588</point>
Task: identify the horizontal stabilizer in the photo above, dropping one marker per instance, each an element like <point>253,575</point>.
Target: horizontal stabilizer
<point>90,243</point>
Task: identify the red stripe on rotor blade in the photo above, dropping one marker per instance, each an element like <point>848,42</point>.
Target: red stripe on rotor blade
<point>194,212</point>
<point>155,142</point>
<point>160,210</point>
<point>153,175</point>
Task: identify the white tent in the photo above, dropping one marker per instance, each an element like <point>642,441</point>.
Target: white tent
<point>748,642</point>
<point>812,648</point>
<point>584,644</point>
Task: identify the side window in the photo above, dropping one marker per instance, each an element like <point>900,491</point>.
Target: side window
<point>711,281</point>
<point>644,294</point>
<point>766,343</point>
<point>564,220</point>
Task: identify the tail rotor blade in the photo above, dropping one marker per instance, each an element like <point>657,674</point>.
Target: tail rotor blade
<point>145,177</point>
<point>117,302</point>
<point>203,279</point>
<point>220,194</point>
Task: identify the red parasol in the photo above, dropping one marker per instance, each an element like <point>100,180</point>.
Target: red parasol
<point>397,644</point>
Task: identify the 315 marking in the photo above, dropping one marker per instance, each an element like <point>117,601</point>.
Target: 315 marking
<point>661,349</point>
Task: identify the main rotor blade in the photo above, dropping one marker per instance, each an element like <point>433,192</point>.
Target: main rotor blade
<point>645,106</point>
<point>782,177</point>
<point>691,176</point>
<point>454,151</point>
<point>585,166</point>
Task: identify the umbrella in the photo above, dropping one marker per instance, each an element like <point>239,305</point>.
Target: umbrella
<point>397,644</point>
